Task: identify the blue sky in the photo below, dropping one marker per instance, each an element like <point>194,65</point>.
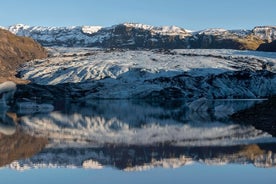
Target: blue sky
<point>189,14</point>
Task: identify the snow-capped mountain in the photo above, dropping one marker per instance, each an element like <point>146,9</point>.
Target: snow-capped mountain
<point>122,35</point>
<point>187,74</point>
<point>131,35</point>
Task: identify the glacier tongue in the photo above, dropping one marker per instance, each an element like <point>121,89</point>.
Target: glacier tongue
<point>189,74</point>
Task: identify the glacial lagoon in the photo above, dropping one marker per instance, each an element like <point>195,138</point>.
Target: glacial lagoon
<point>133,141</point>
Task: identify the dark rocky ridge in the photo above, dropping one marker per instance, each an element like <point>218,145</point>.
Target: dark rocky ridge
<point>268,47</point>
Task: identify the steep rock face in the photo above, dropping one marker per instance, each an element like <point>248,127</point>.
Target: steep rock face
<point>135,36</point>
<point>15,50</point>
<point>269,47</point>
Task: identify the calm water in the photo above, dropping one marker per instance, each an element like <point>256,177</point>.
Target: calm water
<point>123,141</point>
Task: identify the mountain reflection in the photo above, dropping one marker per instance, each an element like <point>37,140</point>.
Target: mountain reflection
<point>137,135</point>
<point>18,145</point>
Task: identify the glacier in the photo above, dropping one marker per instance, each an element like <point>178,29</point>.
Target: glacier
<point>90,73</point>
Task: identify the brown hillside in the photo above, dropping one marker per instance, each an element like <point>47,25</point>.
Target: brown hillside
<point>249,42</point>
<point>15,50</point>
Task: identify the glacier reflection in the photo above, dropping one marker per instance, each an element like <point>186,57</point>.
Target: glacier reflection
<point>138,135</point>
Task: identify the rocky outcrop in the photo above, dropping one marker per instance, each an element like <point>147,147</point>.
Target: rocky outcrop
<point>133,36</point>
<point>269,47</point>
<point>15,50</point>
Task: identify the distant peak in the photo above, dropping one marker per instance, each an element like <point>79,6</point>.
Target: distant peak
<point>91,29</point>
<point>213,31</point>
<point>137,25</point>
<point>163,30</point>
<point>24,26</point>
<point>265,27</point>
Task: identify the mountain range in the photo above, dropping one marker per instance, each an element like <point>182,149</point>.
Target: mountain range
<point>105,133</point>
<point>140,36</point>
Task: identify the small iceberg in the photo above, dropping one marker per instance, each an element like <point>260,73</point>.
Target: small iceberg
<point>7,129</point>
<point>200,105</point>
<point>7,125</point>
<point>7,90</point>
<point>30,107</point>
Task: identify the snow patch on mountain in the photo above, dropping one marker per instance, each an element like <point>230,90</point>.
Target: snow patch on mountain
<point>267,33</point>
<point>91,29</point>
<point>164,30</point>
<point>213,31</point>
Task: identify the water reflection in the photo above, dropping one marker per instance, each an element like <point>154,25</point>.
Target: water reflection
<point>138,135</point>
<point>19,146</point>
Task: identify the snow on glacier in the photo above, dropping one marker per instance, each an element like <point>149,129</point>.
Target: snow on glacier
<point>132,74</point>
<point>100,64</point>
